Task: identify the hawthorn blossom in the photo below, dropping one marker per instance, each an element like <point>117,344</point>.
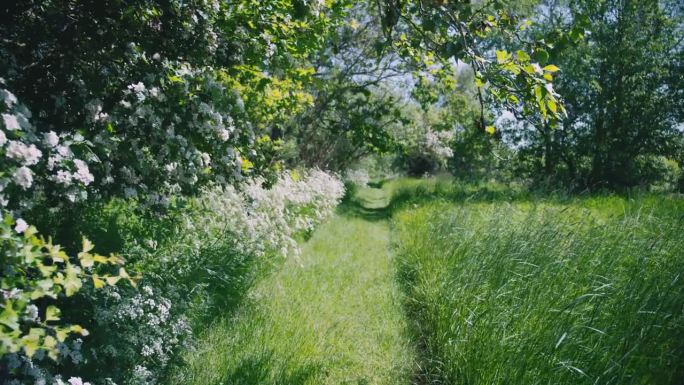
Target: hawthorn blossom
<point>11,122</point>
<point>28,155</point>
<point>94,108</point>
<point>63,177</point>
<point>224,134</point>
<point>3,138</point>
<point>137,87</point>
<point>77,381</point>
<point>171,167</point>
<point>82,173</point>
<point>21,226</point>
<point>64,151</point>
<point>31,310</point>
<point>51,139</point>
<point>23,177</point>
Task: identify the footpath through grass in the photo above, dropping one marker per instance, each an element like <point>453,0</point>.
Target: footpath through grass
<point>333,316</point>
<point>488,285</point>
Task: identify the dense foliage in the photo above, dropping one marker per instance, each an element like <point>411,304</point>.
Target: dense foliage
<point>622,87</point>
<point>148,102</point>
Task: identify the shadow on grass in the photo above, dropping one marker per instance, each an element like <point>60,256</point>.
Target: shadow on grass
<point>357,209</point>
<point>258,370</point>
<point>381,199</point>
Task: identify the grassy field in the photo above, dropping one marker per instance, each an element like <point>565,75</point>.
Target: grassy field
<point>332,317</point>
<point>557,290</point>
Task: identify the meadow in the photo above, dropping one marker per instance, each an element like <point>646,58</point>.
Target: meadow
<point>555,290</point>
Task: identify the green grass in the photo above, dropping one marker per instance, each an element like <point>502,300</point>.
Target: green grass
<point>332,317</point>
<point>432,282</point>
<point>560,290</point>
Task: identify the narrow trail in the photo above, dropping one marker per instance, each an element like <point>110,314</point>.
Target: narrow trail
<point>332,317</point>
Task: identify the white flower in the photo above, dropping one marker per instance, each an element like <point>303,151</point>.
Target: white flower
<point>51,139</point>
<point>21,226</point>
<point>11,122</point>
<point>549,88</point>
<point>224,134</point>
<point>28,155</point>
<point>23,177</point>
<point>206,159</point>
<point>31,310</point>
<point>171,167</point>
<point>139,90</point>
<point>137,87</point>
<point>77,381</point>
<point>64,151</point>
<point>154,91</point>
<point>3,138</point>
<point>94,108</point>
<point>537,68</point>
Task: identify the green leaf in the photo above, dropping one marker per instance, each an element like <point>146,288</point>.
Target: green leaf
<point>551,68</point>
<point>87,245</point>
<point>501,56</point>
<point>52,313</point>
<point>72,282</point>
<point>31,341</point>
<point>523,56</point>
<point>541,56</point>
<point>98,283</point>
<point>80,330</point>
<point>9,317</point>
<point>86,260</point>
<point>490,130</point>
<point>552,105</point>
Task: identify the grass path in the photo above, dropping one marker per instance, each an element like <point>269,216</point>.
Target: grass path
<point>332,317</point>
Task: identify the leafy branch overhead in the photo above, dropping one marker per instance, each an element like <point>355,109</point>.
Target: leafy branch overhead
<point>438,34</point>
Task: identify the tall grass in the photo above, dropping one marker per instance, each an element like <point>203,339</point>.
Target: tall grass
<point>588,291</point>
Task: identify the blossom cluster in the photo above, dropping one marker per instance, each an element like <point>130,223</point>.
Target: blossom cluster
<point>438,143</point>
<point>155,150</point>
<point>147,330</point>
<point>35,164</point>
<point>262,220</point>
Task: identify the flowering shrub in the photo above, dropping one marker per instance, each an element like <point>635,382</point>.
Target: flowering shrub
<point>136,335</point>
<point>154,98</point>
<point>142,332</point>
<point>152,102</point>
<point>37,165</point>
